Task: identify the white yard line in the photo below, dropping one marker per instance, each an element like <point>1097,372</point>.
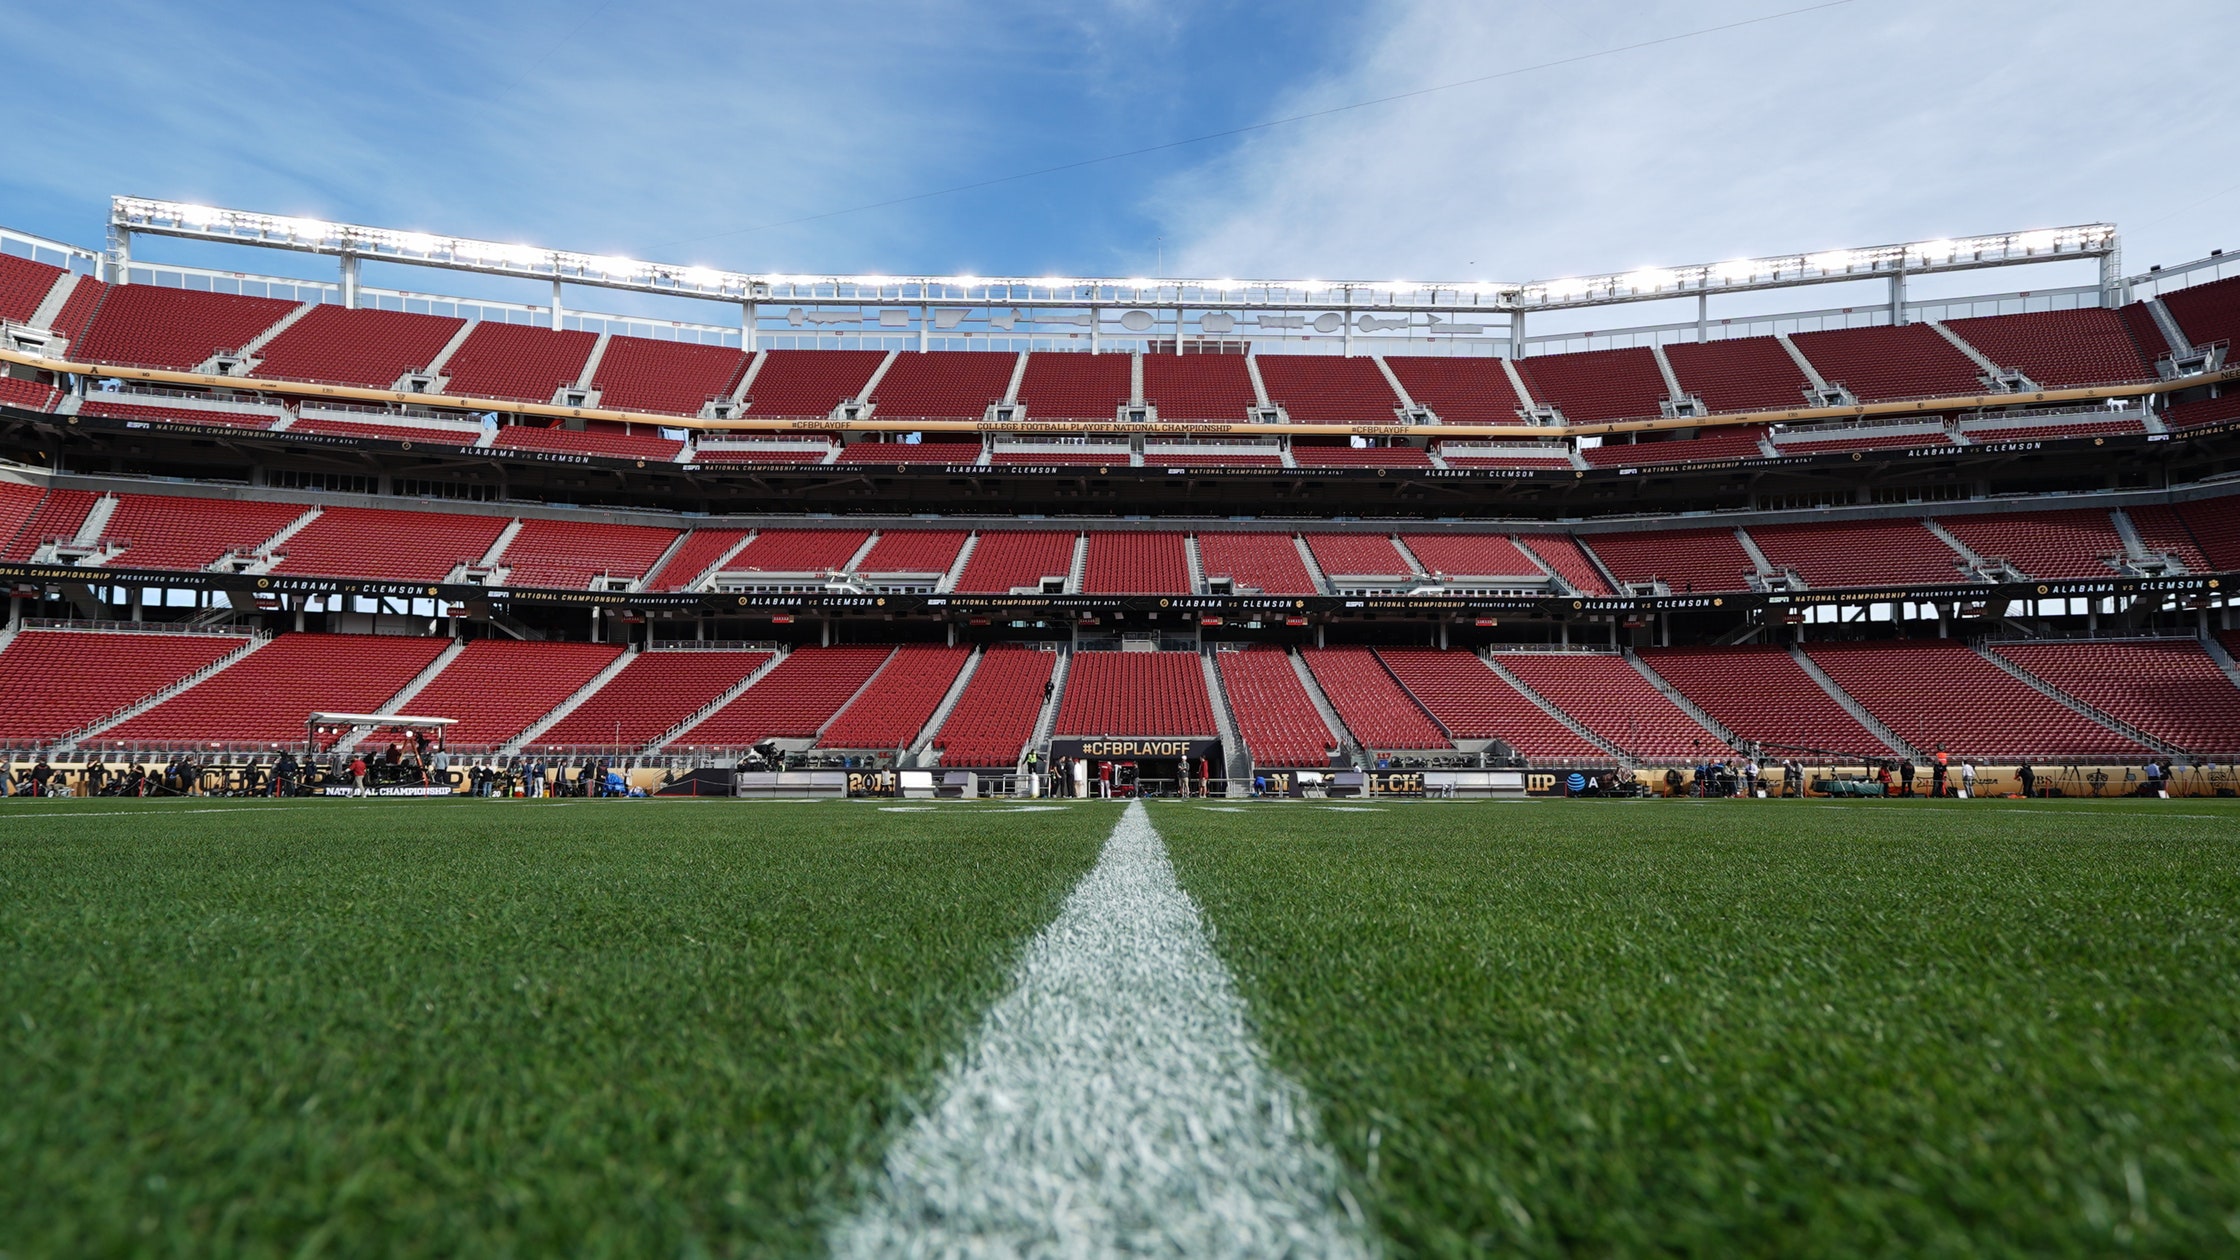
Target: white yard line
<point>1114,1104</point>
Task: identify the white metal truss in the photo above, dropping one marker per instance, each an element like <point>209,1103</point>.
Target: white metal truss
<point>1132,306</point>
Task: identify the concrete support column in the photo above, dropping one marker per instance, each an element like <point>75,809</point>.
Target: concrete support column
<point>750,313</point>
<point>1442,636</point>
<point>558,310</point>
<point>1516,334</point>
<point>1898,297</point>
<point>1703,317</point>
<point>925,321</point>
<point>350,282</point>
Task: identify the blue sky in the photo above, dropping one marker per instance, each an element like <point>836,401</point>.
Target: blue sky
<point>669,130</point>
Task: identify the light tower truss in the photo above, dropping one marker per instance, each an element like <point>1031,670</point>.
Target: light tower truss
<point>1091,309</point>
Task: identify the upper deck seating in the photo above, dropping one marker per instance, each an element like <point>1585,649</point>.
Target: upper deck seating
<point>1458,390</point>
<point>1473,702</point>
<point>943,385</point>
<point>391,545</point>
<point>792,701</point>
<point>1568,559</point>
<point>898,702</point>
<point>1685,560</point>
<point>1837,555</point>
<point>2206,313</point>
<point>1912,687</point>
<point>1622,384</point>
<point>2162,530</point>
<point>2215,526</point>
<point>519,362</point>
<point>808,384</point>
<point>1370,701</point>
<point>652,694</point>
<point>1327,389</point>
<point>2067,544</point>
<point>1063,386</point>
<point>1358,555</point>
<point>913,551</point>
<point>366,347</point>
<point>1004,560</point>
<point>1275,717</point>
<point>1759,692</point>
<point>1133,694</point>
<point>1136,562</point>
<point>1472,556</point>
<point>1608,696</point>
<point>1268,563</point>
<point>53,682</point>
<point>268,696</point>
<point>497,688</point>
<point>674,377</point>
<point>994,718</point>
<point>1742,374</point>
<point>161,531</point>
<point>568,555</point>
<point>814,551</point>
<point>141,325</point>
<point>24,284</point>
<point>2058,349</point>
<point>693,558</point>
<point>1878,363</point>
<point>50,516</point>
<point>1198,386</point>
<point>18,503</point>
<point>78,310</point>
<point>2171,690</point>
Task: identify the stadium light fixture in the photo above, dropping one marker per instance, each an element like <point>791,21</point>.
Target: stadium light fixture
<point>138,215</point>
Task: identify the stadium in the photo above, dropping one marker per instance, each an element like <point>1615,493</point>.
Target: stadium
<point>1097,765</point>
<point>929,531</point>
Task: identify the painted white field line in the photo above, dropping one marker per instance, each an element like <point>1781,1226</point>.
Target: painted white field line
<point>1114,1104</point>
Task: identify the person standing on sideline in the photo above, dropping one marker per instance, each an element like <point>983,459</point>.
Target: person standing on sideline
<point>2028,778</point>
<point>2154,778</point>
<point>1205,778</point>
<point>1938,772</point>
<point>358,774</point>
<point>1905,776</point>
<point>1968,779</point>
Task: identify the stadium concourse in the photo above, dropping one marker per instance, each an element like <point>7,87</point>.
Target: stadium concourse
<point>1410,557</point>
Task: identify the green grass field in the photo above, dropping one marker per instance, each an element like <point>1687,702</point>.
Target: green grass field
<point>685,1028</point>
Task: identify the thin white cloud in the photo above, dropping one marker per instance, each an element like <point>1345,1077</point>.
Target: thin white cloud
<point>1883,120</point>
